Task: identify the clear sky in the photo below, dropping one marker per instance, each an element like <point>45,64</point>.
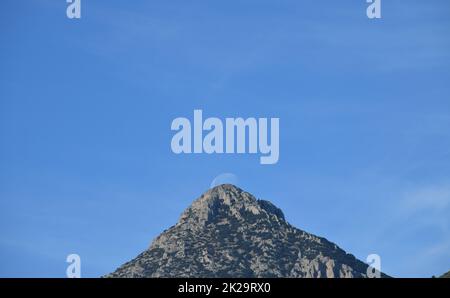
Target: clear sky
<point>86,106</point>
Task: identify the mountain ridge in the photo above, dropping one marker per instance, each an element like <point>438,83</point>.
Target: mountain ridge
<point>227,232</point>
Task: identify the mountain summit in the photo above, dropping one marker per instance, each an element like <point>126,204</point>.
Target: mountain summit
<point>227,232</point>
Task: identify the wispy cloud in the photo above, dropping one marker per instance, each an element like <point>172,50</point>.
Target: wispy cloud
<point>432,198</point>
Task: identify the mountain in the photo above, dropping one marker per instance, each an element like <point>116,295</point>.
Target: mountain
<point>227,232</point>
<point>445,275</point>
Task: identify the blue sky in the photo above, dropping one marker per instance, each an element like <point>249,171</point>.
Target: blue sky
<point>86,107</point>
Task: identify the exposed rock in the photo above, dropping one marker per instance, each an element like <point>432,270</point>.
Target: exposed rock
<point>229,233</point>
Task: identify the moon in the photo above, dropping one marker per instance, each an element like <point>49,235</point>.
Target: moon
<point>225,178</point>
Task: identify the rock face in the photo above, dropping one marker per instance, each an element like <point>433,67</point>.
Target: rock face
<point>229,233</point>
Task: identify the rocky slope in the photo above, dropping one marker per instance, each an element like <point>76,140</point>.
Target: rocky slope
<point>229,233</point>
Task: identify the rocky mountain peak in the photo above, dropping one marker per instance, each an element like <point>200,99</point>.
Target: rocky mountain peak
<point>227,232</point>
<point>223,202</point>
